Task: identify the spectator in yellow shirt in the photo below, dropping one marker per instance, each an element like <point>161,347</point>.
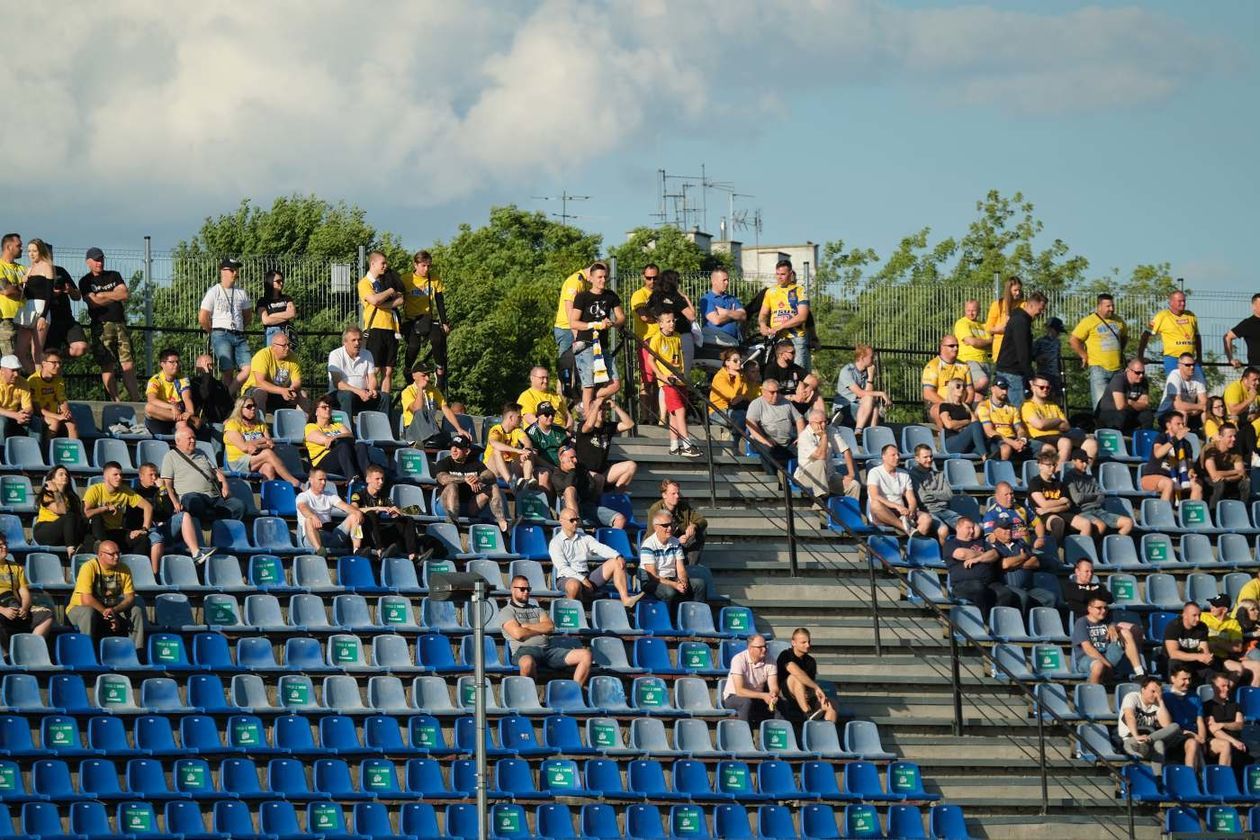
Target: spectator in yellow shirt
<point>643,323</point>
<point>424,316</point>
<point>1178,331</point>
<point>381,294</point>
<point>1099,340</point>
<point>168,397</point>
<point>423,407</point>
<point>275,380</point>
<point>538,393</point>
<point>104,600</point>
<point>974,342</point>
<point>509,454</point>
<point>48,397</point>
<point>785,311</point>
<point>16,406</point>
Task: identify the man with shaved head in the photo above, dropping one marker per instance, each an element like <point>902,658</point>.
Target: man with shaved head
<point>104,600</point>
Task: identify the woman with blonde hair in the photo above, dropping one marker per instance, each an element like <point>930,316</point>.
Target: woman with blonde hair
<point>247,446</point>
<point>1000,310</point>
<point>32,319</point>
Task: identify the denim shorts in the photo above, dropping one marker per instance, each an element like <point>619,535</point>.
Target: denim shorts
<point>586,367</point>
<point>231,349</point>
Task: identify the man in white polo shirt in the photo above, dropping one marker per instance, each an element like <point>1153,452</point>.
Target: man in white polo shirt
<point>352,376</point>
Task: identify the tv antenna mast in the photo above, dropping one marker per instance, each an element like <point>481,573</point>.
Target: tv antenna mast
<point>564,198</point>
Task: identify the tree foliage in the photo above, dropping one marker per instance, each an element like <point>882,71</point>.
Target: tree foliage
<point>668,247</point>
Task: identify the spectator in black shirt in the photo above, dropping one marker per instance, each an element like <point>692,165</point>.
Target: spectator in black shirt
<point>1224,722</point>
<point>593,443</point>
<point>783,369</point>
<point>1186,641</point>
<point>1047,498</point>
<point>106,295</point>
<point>211,399</point>
<point>1081,586</point>
<point>1015,357</point>
<point>801,698</point>
<point>275,309</point>
<point>974,568</point>
<point>1126,404</point>
<point>574,489</point>
<point>593,316</point>
<point>468,486</point>
<point>150,489</point>
<point>386,529</point>
<point>1248,330</point>
<point>64,331</point>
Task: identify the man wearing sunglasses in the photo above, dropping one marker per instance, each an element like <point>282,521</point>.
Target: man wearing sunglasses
<point>528,628</point>
<point>663,565</point>
<point>572,551</point>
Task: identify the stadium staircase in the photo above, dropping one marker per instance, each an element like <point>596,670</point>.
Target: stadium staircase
<point>202,736</point>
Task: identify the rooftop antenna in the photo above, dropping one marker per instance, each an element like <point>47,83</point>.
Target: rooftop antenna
<point>564,198</point>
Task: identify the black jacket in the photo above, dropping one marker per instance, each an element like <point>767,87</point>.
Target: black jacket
<point>1016,355</point>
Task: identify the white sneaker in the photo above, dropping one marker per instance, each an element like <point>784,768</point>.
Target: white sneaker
<point>203,555</point>
<point>689,451</point>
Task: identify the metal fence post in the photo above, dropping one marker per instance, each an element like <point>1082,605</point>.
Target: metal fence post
<point>879,642</point>
<point>148,305</point>
<point>956,680</point>
<point>362,266</point>
<point>1041,747</point>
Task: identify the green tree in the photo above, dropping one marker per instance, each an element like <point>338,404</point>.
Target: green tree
<point>502,285</point>
<point>668,247</point>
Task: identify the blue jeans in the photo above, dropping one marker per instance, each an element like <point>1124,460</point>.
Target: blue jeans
<point>564,339</point>
<point>1016,392</point>
<point>231,350</point>
<point>586,367</point>
<point>969,439</point>
<point>1098,379</point>
<point>801,343</point>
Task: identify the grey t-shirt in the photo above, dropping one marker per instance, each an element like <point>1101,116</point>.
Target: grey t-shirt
<point>525,615</point>
<point>777,421</point>
<point>189,479</point>
<point>849,376</point>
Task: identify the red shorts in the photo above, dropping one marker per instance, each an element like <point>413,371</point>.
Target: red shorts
<point>673,398</point>
<point>646,365</point>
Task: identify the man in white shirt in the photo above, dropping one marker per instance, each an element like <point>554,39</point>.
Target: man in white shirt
<point>891,495</point>
<point>314,514</point>
<point>1184,392</point>
<point>225,312</point>
<point>571,551</point>
<point>663,565</point>
<point>1145,723</point>
<point>352,375</point>
<point>816,470</point>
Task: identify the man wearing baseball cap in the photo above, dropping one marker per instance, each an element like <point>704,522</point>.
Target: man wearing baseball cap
<point>15,399</point>
<point>106,295</point>
<point>468,486</point>
<point>225,312</point>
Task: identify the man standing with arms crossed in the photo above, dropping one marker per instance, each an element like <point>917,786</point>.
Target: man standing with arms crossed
<point>106,295</point>
<point>1099,339</point>
<point>1178,330</point>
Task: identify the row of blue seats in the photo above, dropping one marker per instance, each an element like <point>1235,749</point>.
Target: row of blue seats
<point>423,735</point>
<point>1179,783</point>
<point>1220,820</point>
<point>513,779</point>
<point>166,653</point>
<point>231,819</point>
<point>306,613</point>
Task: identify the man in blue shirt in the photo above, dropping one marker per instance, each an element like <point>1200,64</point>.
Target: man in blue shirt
<point>1186,710</point>
<point>722,315</point>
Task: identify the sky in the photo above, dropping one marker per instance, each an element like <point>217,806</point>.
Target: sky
<point>1132,128</point>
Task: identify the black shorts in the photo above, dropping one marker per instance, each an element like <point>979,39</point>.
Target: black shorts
<point>159,427</point>
<point>383,345</point>
<point>62,334</point>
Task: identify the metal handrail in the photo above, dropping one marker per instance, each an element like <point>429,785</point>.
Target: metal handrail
<point>941,616</point>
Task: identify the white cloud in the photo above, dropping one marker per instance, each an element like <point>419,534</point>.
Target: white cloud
<point>427,102</point>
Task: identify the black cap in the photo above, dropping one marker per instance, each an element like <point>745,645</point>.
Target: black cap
<point>1219,601</point>
<point>1001,382</point>
<point>461,441</point>
<point>229,262</point>
<point>545,408</point>
<point>421,367</point>
<point>1056,324</point>
<point>94,253</point>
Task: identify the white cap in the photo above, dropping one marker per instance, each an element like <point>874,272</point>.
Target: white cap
<point>11,362</point>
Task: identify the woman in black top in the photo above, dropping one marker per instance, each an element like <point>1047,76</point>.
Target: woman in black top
<point>275,309</point>
<point>962,431</point>
<point>32,318</point>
